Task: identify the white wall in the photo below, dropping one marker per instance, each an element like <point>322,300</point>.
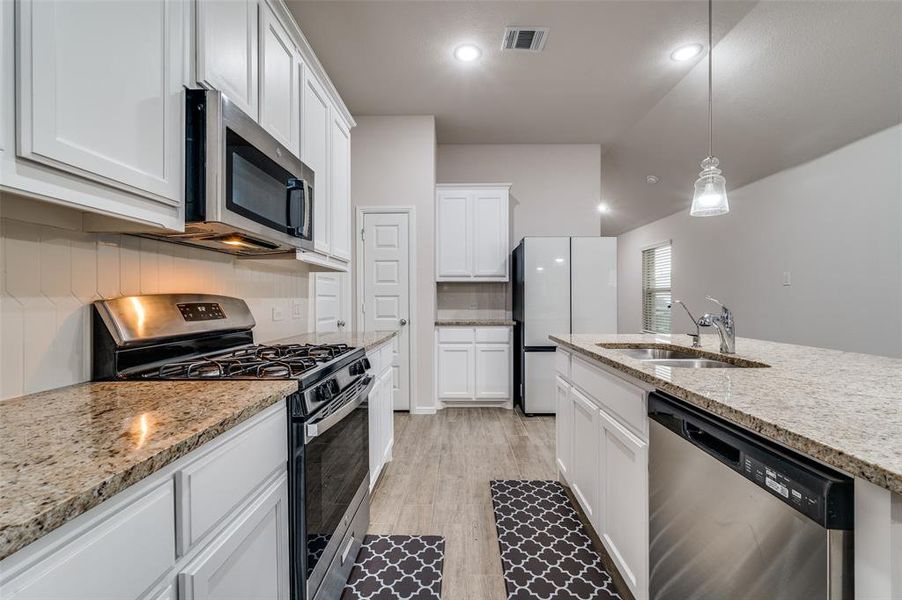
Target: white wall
<point>393,162</point>
<point>50,272</point>
<point>835,224</point>
<point>556,187</point>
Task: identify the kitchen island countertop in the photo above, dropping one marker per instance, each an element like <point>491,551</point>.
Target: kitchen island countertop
<point>842,408</point>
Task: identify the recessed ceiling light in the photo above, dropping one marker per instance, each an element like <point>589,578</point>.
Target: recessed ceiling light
<point>686,52</point>
<point>467,53</point>
<point>652,179</point>
<point>603,208</point>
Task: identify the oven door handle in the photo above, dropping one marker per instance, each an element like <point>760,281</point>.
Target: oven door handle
<point>318,428</point>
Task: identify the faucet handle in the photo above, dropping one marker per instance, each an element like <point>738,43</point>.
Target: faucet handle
<point>718,303</point>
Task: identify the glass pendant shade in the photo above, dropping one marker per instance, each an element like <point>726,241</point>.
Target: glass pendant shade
<point>710,198</point>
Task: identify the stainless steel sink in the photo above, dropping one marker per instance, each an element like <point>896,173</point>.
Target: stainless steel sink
<point>656,353</point>
<point>691,363</point>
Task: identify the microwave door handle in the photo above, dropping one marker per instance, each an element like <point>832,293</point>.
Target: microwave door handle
<point>293,186</point>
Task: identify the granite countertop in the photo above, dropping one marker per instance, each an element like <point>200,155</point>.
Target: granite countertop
<point>842,408</point>
<point>66,450</point>
<point>367,339</point>
<point>474,323</point>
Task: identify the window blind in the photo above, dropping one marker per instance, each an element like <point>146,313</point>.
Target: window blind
<point>656,289</point>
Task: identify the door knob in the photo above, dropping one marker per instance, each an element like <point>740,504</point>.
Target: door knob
<point>403,322</point>
<point>340,323</point>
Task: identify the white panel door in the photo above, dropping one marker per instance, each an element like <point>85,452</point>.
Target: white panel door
<point>583,471</point>
<point>452,247</point>
<point>622,515</point>
<point>456,378</point>
<point>249,559</point>
<point>340,190</point>
<point>101,91</point>
<point>490,222</point>
<point>315,152</point>
<point>329,289</point>
<point>538,383</point>
<point>593,284</point>
<point>563,424</point>
<point>546,289</point>
<point>280,111</point>
<point>386,290</point>
<point>227,50</point>
<point>493,371</point>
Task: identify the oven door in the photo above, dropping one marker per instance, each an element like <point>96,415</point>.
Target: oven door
<point>329,482</point>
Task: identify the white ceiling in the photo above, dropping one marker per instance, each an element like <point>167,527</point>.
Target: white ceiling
<point>793,80</point>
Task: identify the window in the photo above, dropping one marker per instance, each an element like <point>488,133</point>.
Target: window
<point>656,288</point>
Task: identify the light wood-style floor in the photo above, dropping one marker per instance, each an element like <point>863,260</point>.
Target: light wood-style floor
<point>438,484</point>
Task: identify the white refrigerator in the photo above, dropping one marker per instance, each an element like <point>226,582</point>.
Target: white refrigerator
<point>562,285</point>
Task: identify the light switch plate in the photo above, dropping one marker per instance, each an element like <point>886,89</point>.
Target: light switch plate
<point>277,313</point>
<point>296,309</point>
<point>787,278</point>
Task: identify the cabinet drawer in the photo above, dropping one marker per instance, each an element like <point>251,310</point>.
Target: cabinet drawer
<point>496,335</point>
<point>214,485</point>
<point>132,547</point>
<point>455,334</point>
<point>625,401</point>
<point>562,363</point>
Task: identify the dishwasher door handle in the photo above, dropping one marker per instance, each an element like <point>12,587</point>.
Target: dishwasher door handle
<point>712,444</point>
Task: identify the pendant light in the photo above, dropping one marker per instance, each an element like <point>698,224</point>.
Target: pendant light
<point>710,198</point>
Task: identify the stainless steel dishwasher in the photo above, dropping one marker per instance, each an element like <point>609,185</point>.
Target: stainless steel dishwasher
<point>732,515</point>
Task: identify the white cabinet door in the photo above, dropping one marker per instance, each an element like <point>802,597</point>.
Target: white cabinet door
<point>622,515</point>
<point>490,236</point>
<point>315,152</point>
<point>250,558</point>
<point>584,472</point>
<point>452,251</point>
<point>376,400</point>
<point>100,92</point>
<point>455,371</point>
<point>493,371</point>
<point>340,189</point>
<point>280,111</point>
<point>386,414</point>
<point>563,424</point>
<point>227,49</point>
<point>119,555</point>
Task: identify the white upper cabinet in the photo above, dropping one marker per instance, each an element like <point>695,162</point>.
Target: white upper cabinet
<point>280,109</point>
<point>315,152</point>
<point>471,228</point>
<point>100,96</point>
<point>340,188</point>
<point>227,49</point>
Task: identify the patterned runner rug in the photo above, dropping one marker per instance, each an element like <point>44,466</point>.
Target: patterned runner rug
<point>397,567</point>
<point>545,553</point>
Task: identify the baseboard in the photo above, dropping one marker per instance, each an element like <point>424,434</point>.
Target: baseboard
<point>424,410</point>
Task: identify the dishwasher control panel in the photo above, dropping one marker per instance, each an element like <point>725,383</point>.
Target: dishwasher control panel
<point>782,486</point>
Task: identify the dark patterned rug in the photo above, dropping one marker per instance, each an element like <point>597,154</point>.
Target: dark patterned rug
<point>397,567</point>
<point>545,553</point>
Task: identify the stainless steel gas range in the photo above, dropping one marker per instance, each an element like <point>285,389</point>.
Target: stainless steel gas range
<point>209,337</point>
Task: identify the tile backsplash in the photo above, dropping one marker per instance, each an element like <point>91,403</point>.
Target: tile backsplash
<point>488,300</point>
<point>51,270</point>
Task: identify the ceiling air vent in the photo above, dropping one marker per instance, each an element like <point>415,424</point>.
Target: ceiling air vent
<point>524,39</point>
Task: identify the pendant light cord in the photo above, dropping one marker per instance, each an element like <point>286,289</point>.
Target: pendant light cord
<point>710,78</point>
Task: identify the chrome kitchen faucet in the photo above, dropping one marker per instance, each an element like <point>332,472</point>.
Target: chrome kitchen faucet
<point>724,324</point>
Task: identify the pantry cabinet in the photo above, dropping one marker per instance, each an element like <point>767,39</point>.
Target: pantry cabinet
<point>280,108</point>
<point>473,364</point>
<point>90,129</point>
<point>601,452</point>
<point>226,33</point>
<point>471,231</point>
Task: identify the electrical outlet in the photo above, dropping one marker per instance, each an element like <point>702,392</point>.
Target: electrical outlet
<point>277,313</point>
<point>787,278</point>
<point>296,309</point>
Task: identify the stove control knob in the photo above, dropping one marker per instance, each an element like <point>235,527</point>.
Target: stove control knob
<point>366,363</point>
<point>358,368</point>
<point>324,392</point>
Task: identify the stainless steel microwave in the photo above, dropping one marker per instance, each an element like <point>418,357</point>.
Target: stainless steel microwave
<point>245,193</point>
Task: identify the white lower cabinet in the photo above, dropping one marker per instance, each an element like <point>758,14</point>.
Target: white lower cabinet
<point>381,410</point>
<point>584,473</point>
<point>473,364</point>
<point>563,424</point>
<point>126,547</point>
<point>621,519</point>
<point>602,454</point>
<point>250,558</point>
